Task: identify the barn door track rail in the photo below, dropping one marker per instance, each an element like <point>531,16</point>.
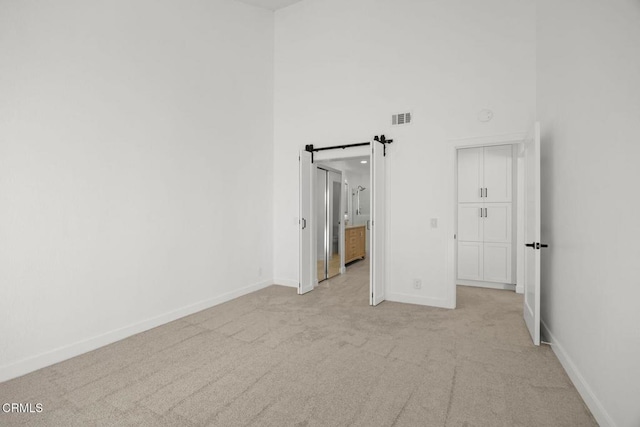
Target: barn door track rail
<point>381,139</point>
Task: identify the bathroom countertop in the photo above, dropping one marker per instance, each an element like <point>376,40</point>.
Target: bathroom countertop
<point>346,227</point>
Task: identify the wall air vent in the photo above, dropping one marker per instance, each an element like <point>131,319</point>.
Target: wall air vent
<point>401,119</point>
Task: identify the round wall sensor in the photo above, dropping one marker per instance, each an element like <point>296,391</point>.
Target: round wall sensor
<point>485,115</point>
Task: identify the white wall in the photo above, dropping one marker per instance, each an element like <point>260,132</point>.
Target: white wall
<point>342,68</point>
<point>135,167</point>
<point>589,108</point>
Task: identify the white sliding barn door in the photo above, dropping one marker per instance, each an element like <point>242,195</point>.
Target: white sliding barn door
<point>532,233</point>
<point>307,257</point>
<point>378,221</point>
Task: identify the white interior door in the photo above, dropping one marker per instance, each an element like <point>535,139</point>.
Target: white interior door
<point>307,256</point>
<point>532,233</point>
<point>378,221</point>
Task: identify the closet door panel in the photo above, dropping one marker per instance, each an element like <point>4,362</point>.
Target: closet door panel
<point>497,222</point>
<point>470,222</point>
<point>497,262</point>
<point>498,166</point>
<point>470,263</point>
<point>470,175</point>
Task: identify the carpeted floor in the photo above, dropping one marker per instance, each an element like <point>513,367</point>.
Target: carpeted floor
<point>326,358</point>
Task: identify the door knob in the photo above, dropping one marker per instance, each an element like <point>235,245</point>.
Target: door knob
<point>536,245</point>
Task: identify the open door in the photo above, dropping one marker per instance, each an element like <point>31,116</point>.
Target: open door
<point>532,233</point>
<point>307,258</point>
<point>378,221</point>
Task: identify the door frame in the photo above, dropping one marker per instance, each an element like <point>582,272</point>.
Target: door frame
<point>487,141</point>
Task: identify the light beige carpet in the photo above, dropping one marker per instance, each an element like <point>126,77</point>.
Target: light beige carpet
<point>274,358</point>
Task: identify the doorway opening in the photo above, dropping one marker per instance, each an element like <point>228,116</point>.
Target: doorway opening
<point>342,215</point>
<point>346,215</point>
<point>360,221</point>
<point>496,215</point>
<point>487,216</point>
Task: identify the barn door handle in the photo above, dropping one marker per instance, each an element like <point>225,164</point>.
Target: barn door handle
<point>304,223</point>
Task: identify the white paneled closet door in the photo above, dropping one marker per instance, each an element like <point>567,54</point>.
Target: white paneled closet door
<point>497,222</point>
<point>470,222</point>
<point>497,262</point>
<point>498,165</point>
<point>470,262</point>
<point>470,175</point>
<point>485,214</point>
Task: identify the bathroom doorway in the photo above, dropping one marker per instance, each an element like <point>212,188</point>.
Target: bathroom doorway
<point>372,228</point>
<point>342,197</point>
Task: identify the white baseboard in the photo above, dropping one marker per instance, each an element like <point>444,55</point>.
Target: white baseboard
<point>57,355</point>
<point>490,285</point>
<point>416,299</point>
<point>519,289</point>
<point>590,399</point>
<point>286,282</point>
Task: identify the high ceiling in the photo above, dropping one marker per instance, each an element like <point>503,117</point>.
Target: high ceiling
<point>270,4</point>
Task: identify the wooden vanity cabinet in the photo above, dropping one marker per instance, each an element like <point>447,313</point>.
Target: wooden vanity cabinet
<point>354,243</point>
